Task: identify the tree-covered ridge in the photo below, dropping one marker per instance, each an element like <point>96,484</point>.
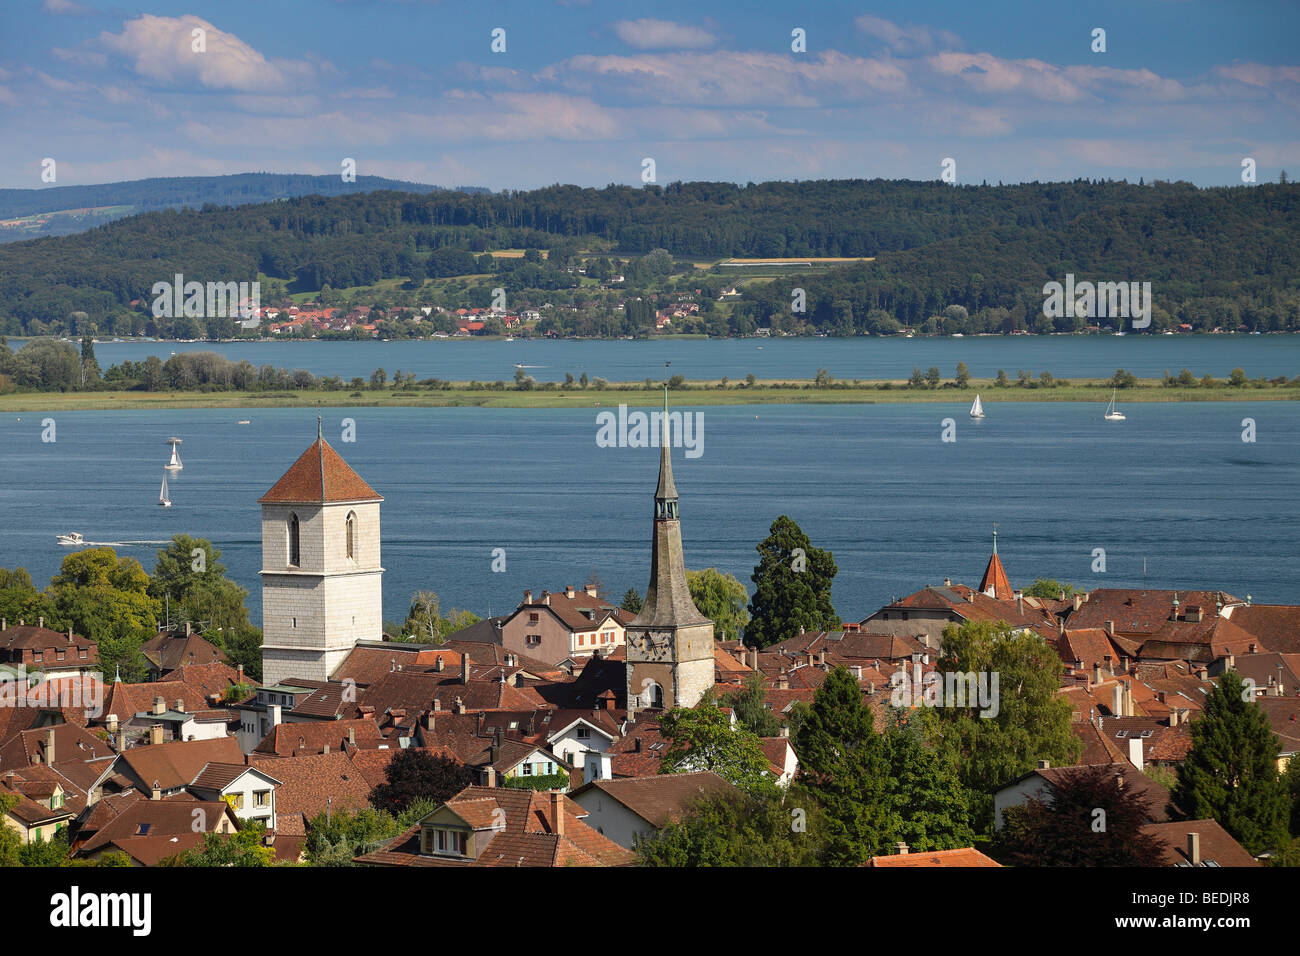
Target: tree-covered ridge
<point>980,248</point>
<point>175,191</point>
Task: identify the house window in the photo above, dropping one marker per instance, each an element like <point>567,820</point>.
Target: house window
<point>533,639</point>
<point>352,535</point>
<point>81,652</point>
<point>528,770</point>
<point>533,617</point>
<point>37,656</point>
<point>56,801</point>
<point>261,798</point>
<point>584,733</point>
<point>581,639</point>
<point>295,554</point>
<point>236,801</point>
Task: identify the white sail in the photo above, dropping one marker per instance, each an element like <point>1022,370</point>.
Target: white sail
<point>1112,414</point>
<point>174,463</point>
<point>163,498</point>
<point>976,409</point>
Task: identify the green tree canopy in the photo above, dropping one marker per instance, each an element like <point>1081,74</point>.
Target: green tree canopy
<point>1231,773</point>
<point>721,598</point>
<point>741,830</point>
<point>702,738</point>
<point>415,775</point>
<point>792,586</point>
<point>749,704</point>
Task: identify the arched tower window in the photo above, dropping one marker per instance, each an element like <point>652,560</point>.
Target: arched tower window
<point>652,695</point>
<point>352,535</point>
<point>295,554</point>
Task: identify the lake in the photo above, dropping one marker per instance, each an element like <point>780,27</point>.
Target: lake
<point>1174,485</point>
<point>890,357</point>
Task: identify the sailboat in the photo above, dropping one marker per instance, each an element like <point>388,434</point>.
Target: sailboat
<point>164,498</point>
<point>1112,413</point>
<point>976,409</point>
<point>174,463</point>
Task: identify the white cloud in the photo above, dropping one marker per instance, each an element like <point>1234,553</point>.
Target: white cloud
<point>66,7</point>
<point>906,39</point>
<point>650,34</point>
<point>161,50</point>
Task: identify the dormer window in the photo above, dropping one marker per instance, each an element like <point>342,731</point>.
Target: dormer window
<point>446,842</point>
<point>295,553</point>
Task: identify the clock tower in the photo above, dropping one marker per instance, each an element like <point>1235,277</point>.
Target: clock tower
<point>669,643</point>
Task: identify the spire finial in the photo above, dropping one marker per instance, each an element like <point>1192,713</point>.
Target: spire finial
<point>319,433</point>
<point>995,537</point>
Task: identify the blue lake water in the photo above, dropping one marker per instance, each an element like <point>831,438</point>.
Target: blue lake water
<point>1174,484</point>
<point>890,357</point>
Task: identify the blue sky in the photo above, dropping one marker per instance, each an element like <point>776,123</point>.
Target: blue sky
<point>585,89</point>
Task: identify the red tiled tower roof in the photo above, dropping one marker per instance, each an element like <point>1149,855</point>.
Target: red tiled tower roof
<point>320,476</point>
<point>995,583</point>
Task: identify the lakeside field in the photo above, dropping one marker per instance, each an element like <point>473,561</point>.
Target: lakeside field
<point>699,393</point>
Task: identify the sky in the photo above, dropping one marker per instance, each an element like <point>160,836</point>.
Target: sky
<point>584,91</point>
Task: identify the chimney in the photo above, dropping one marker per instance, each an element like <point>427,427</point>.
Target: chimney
<point>1230,661</point>
<point>49,746</point>
<point>155,792</point>
<point>1060,596</point>
<point>1096,672</point>
<point>111,723</point>
<point>239,673</point>
<point>901,847</point>
<point>1060,625</point>
<point>821,658</point>
<point>40,621</point>
<point>589,589</point>
<point>1173,716</point>
<point>636,745</point>
<point>437,664</point>
<point>557,812</point>
<point>1110,628</point>
<point>69,635</point>
<point>1044,765</point>
<point>569,592</point>
<point>1020,600</point>
<point>490,776</point>
<point>784,731</point>
<point>1078,600</point>
<point>528,597</point>
<point>187,628</point>
<point>753,658</point>
<point>159,706</point>
<point>4,625</point>
<point>782,681</point>
<point>325,749</point>
<point>1253,648</point>
<point>156,734</point>
<point>1194,848</point>
<point>947,582</point>
<point>546,598</point>
<point>812,658</point>
<point>464,667</point>
<point>856,671</point>
<point>916,672</point>
<point>1135,752</point>
<point>1117,700</point>
<point>1203,673</point>
<point>180,705</point>
<point>275,713</point>
<point>458,706</point>
<point>1128,698</point>
<point>121,741</point>
<point>352,736</point>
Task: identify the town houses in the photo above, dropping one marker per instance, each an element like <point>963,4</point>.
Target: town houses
<point>555,711</point>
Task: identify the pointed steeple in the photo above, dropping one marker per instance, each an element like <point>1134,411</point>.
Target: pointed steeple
<point>668,597</point>
<point>995,582</point>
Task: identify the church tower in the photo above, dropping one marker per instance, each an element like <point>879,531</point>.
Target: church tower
<point>321,573</point>
<point>669,643</point>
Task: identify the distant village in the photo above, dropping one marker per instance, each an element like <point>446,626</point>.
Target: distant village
<point>555,709</point>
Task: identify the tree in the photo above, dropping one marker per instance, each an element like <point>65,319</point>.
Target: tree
<point>1123,379</point>
<point>89,367</point>
<point>963,374</point>
<point>740,830</point>
<point>191,582</point>
<point>932,806</point>
<point>1049,589</point>
<point>426,623</point>
<point>1026,721</point>
<point>844,764</point>
<point>932,376</point>
<point>917,379</point>
<point>1237,378</point>
<point>749,704</point>
<point>1066,829</point>
<point>721,598</point>
<point>1001,381</point>
<point>98,594</point>
<point>10,843</point>
<point>416,774</point>
<point>702,738</point>
<point>377,378</point>
<point>632,601</point>
<point>792,586</point>
<point>1230,773</point>
<point>241,848</point>
<point>336,838</point>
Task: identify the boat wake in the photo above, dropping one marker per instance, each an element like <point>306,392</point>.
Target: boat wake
<point>117,544</point>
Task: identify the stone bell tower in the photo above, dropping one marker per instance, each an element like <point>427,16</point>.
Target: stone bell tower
<point>669,643</point>
<point>321,571</point>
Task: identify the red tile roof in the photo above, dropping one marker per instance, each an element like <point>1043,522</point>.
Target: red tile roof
<point>995,580</point>
<point>966,856</point>
<point>320,475</point>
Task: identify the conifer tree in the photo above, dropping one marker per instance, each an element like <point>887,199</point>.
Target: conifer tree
<point>792,586</point>
<point>1231,774</point>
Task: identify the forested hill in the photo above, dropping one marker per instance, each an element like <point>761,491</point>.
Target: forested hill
<point>941,244</point>
<point>143,195</point>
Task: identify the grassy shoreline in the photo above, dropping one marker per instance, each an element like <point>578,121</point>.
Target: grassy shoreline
<point>700,393</point>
